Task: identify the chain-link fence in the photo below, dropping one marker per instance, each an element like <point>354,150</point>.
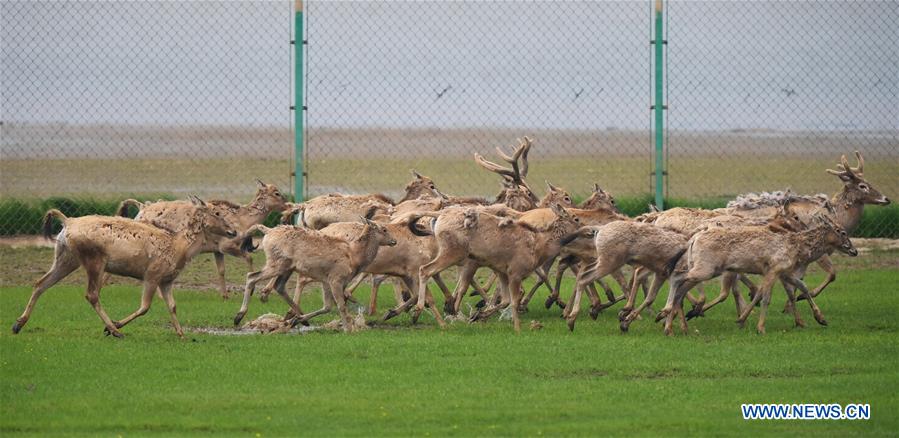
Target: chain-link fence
<point>102,101</point>
<point>105,100</point>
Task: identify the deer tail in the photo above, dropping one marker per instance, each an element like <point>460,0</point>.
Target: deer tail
<point>123,207</point>
<point>47,227</point>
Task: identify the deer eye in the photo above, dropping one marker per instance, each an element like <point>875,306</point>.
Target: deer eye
<point>577,219</point>
<point>864,187</point>
<point>567,199</point>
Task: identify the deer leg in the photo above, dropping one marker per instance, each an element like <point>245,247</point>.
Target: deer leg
<point>574,304</point>
<point>433,306</point>
<point>64,264</point>
<point>631,293</point>
<point>586,276</point>
<point>336,290</point>
<point>267,271</point>
<point>299,288</point>
<point>373,297</point>
<point>657,281</point>
<point>466,278</point>
<point>826,264</point>
<point>501,293</point>
<point>166,290</point>
<point>220,269</point>
<point>145,300</point>
<point>357,280</point>
<point>440,263</point>
<point>327,304</point>
<point>728,281</point>
<point>447,295</point>
<point>401,304</point>
<point>767,284</point>
<point>554,294</point>
<point>816,311</point>
<point>94,268</point>
<point>791,299</point>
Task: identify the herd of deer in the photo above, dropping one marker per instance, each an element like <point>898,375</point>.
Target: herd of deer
<point>341,238</point>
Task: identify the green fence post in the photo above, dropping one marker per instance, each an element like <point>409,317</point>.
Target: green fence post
<point>659,108</point>
<point>299,104</point>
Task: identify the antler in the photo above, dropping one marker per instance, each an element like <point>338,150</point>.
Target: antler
<point>518,172</point>
<point>849,172</point>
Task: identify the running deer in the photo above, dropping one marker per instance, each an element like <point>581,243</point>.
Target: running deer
<point>129,248</point>
<point>849,204</point>
<point>175,215</point>
<point>329,260</point>
<point>510,248</point>
<point>776,255</point>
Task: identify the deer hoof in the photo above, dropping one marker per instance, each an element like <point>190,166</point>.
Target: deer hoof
<point>522,309</point>
<point>448,308</point>
<point>549,302</point>
<point>113,332</point>
<point>571,325</point>
<point>694,312</point>
<point>594,312</point>
<point>821,320</point>
<point>16,328</point>
<point>238,318</point>
<point>262,297</point>
<point>662,315</point>
<point>480,304</point>
<point>390,314</point>
<point>415,315</point>
<point>624,326</point>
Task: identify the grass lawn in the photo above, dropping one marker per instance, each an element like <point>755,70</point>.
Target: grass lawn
<point>62,376</point>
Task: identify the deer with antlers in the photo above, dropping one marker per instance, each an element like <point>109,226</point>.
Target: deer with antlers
<point>849,204</point>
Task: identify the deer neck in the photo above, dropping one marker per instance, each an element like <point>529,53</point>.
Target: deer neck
<point>253,213</point>
<point>363,250</point>
<point>849,210</point>
<point>810,244</point>
<point>187,244</point>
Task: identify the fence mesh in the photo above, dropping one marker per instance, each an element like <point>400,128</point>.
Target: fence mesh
<point>106,100</point>
<point>149,99</point>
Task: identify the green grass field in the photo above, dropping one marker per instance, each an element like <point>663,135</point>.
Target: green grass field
<point>62,376</point>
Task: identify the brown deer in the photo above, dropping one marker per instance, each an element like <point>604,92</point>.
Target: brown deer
<point>626,242</point>
<point>774,254</point>
<point>329,260</point>
<point>510,248</point>
<point>129,248</point>
<point>175,215</point>
<point>849,204</point>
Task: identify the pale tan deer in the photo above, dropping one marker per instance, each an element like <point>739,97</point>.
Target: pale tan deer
<point>329,260</point>
<point>175,215</point>
<point>776,255</point>
<point>511,249</point>
<point>129,248</point>
<point>849,204</point>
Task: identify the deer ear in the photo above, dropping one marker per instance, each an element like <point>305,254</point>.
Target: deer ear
<point>260,183</point>
<point>195,200</point>
<point>416,174</point>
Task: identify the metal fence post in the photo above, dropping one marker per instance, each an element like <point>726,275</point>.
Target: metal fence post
<point>299,104</point>
<point>659,108</point>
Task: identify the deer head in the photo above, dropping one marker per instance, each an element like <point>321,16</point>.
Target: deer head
<point>269,197</point>
<point>835,236</point>
<point>556,195</point>
<point>213,221</point>
<point>855,188</point>
<point>420,186</point>
<point>600,200</point>
<point>378,232</point>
